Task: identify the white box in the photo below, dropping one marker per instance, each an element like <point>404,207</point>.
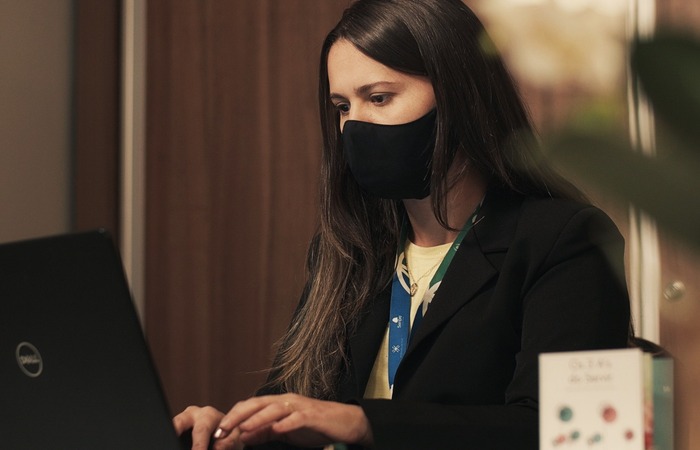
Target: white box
<point>592,400</point>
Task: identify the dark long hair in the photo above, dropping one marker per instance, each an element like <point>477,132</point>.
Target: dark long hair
<point>480,118</point>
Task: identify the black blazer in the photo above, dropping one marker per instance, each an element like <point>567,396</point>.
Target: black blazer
<point>533,275</point>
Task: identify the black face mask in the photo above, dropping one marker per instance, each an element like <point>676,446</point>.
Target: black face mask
<point>391,161</point>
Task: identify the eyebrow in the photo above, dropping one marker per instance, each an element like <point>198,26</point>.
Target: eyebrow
<point>364,89</point>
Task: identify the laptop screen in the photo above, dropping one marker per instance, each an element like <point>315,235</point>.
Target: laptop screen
<point>74,366</point>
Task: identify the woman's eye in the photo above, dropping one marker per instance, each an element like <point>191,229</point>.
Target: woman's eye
<point>342,108</point>
<point>379,99</point>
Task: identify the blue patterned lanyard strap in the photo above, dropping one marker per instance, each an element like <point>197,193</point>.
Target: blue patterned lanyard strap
<point>400,312</point>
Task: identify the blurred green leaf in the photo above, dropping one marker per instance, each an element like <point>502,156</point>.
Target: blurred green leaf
<point>666,186</point>
<point>668,67</point>
<point>668,189</point>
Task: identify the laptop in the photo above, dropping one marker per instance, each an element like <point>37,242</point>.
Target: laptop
<point>75,370</point>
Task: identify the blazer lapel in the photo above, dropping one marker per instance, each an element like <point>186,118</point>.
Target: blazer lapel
<point>470,270</point>
<point>471,267</point>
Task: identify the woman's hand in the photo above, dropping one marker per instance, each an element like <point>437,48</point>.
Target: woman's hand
<point>203,422</point>
<point>294,419</point>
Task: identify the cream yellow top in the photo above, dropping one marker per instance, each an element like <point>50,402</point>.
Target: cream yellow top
<point>422,263</point>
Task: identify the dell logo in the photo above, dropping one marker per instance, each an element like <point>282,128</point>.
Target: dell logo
<point>29,359</point>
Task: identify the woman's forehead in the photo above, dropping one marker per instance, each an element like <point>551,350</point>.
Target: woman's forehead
<point>350,70</point>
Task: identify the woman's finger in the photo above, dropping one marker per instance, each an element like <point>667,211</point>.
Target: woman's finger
<point>202,422</point>
<point>184,421</point>
<point>267,416</point>
<point>230,442</point>
<point>255,413</point>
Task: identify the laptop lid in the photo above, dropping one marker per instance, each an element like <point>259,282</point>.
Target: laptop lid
<point>75,370</point>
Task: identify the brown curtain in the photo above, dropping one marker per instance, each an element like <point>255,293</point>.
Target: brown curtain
<point>232,167</point>
<point>96,122</point>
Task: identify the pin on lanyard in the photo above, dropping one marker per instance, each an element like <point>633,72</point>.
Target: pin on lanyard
<point>400,329</point>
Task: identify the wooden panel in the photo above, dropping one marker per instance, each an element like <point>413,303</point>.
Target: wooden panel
<point>679,14</point>
<point>680,335</point>
<point>97,108</point>
<point>233,151</point>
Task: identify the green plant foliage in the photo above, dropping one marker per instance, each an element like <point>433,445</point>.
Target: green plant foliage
<point>666,186</point>
<point>668,67</point>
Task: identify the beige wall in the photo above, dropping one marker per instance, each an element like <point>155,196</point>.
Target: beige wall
<point>35,117</point>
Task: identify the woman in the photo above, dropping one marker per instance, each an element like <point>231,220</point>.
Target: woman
<point>448,257</point>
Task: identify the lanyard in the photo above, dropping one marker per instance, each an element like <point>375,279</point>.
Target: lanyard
<point>400,311</point>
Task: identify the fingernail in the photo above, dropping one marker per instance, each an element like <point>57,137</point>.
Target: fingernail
<point>218,433</point>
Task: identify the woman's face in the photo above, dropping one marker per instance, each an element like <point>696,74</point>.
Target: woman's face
<point>366,90</point>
